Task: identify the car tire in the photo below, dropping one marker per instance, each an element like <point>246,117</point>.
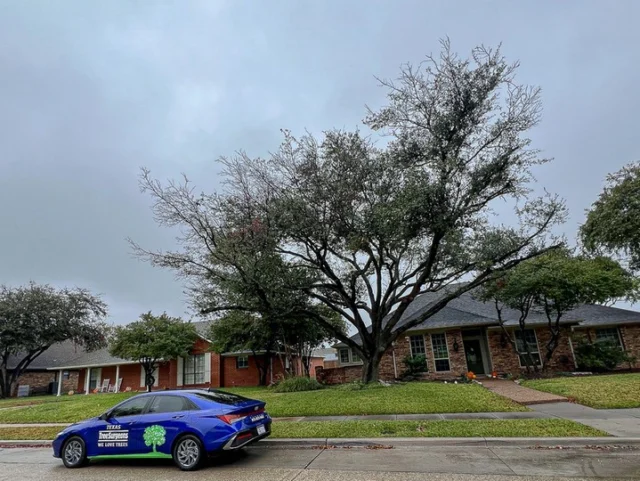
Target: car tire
<point>188,453</point>
<point>74,453</point>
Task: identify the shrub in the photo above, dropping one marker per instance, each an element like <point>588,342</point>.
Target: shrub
<point>600,356</point>
<point>359,386</point>
<point>415,365</point>
<point>297,384</point>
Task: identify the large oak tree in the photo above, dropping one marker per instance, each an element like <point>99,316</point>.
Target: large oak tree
<point>363,224</point>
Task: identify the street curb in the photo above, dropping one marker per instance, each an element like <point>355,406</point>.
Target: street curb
<point>460,442</point>
<point>406,442</point>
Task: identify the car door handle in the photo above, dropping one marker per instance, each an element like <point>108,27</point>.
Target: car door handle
<point>179,416</point>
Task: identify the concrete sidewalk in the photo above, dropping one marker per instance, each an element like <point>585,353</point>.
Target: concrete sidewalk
<point>617,422</point>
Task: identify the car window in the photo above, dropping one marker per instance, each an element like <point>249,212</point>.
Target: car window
<point>169,404</point>
<point>221,397</point>
<point>132,407</point>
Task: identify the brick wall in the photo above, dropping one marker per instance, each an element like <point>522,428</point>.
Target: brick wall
<point>339,375</point>
<point>631,342</point>
<point>505,359</point>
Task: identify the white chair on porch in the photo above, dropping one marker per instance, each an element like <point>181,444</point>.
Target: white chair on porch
<point>105,385</point>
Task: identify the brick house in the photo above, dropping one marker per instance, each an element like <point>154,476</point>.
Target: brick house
<point>85,371</point>
<point>39,378</point>
<point>466,336</point>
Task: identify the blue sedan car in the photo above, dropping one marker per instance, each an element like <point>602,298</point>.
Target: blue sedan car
<point>184,426</point>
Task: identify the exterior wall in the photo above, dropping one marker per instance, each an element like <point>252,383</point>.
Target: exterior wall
<point>630,336</point>
<point>339,375</point>
<point>631,342</point>
<point>36,380</point>
<point>505,359</point>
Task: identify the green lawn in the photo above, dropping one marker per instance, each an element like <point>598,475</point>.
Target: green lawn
<point>413,398</point>
<point>602,392</point>
<point>435,429</point>
<point>63,409</point>
<point>376,429</point>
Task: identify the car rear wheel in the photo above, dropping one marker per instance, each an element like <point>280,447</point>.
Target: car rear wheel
<point>74,453</point>
<point>188,453</point>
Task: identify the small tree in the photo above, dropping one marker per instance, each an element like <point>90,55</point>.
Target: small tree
<point>34,317</point>
<point>240,331</point>
<point>552,285</point>
<point>151,340</point>
<point>154,436</point>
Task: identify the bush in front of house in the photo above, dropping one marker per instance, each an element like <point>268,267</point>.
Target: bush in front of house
<point>600,356</point>
<point>415,365</point>
<point>359,386</point>
<point>297,384</point>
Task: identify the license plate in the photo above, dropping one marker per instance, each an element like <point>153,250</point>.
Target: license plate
<point>257,417</point>
<point>261,430</point>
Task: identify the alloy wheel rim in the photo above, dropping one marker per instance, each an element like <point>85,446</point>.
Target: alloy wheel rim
<point>73,452</point>
<point>188,452</point>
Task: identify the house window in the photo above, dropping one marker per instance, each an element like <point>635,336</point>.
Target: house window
<point>355,357</point>
<point>528,339</point>
<point>417,346</point>
<point>194,369</point>
<point>242,362</point>
<point>65,375</point>
<point>440,352</point>
<point>344,356</point>
<point>609,335</point>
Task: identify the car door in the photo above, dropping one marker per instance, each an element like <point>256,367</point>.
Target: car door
<point>166,416</point>
<point>111,434</point>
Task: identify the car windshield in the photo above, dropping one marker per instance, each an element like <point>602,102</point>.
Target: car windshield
<point>221,397</point>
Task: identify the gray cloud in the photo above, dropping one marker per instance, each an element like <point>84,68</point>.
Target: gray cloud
<point>91,91</point>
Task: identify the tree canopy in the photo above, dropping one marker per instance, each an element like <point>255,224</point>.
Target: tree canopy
<point>554,284</point>
<point>361,227</point>
<point>613,222</point>
<point>34,317</point>
<point>152,339</point>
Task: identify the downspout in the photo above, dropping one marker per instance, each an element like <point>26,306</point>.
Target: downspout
<point>573,354</point>
<point>393,354</point>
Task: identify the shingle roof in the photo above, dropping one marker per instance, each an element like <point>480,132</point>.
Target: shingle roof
<point>102,356</point>
<point>58,353</point>
<point>467,311</point>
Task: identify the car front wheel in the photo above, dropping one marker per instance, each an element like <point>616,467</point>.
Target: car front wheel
<point>188,453</point>
<point>74,454</point>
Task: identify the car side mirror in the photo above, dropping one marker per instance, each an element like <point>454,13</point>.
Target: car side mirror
<point>105,416</point>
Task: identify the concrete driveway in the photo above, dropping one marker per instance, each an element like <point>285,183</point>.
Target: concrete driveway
<point>355,464</point>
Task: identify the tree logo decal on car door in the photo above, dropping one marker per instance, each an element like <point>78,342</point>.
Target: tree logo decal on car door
<point>154,436</point>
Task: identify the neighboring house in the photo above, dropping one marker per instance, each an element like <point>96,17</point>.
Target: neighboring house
<point>37,375</point>
<point>466,336</point>
<point>202,368</point>
<point>329,356</point>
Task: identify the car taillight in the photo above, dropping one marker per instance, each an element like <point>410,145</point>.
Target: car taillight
<point>231,418</point>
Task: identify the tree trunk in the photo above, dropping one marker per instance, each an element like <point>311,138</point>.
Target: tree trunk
<point>5,387</point>
<point>371,369</point>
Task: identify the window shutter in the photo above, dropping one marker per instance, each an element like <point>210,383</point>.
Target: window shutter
<point>141,376</point>
<point>180,371</point>
<point>207,368</point>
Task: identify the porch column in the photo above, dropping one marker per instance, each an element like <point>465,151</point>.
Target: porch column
<point>59,382</point>
<point>117,378</point>
<point>86,381</point>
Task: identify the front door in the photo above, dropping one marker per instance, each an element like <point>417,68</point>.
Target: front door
<point>473,353</point>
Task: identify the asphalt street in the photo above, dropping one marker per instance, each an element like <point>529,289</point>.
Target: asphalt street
<point>356,464</point>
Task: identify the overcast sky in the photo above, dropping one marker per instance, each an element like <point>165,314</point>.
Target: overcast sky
<point>91,91</point>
